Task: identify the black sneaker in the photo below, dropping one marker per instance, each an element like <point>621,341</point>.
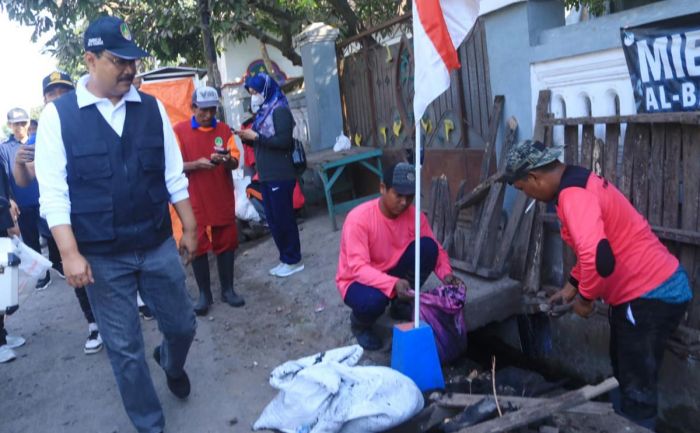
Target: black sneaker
<point>367,338</point>
<point>365,335</point>
<point>180,386</point>
<point>44,282</point>
<point>145,312</point>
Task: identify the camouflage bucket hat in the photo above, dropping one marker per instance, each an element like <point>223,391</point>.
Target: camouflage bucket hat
<point>527,156</point>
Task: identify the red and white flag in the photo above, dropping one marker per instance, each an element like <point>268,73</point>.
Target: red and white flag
<point>439,27</point>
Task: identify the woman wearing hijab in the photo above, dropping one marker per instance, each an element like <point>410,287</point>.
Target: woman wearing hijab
<point>271,137</point>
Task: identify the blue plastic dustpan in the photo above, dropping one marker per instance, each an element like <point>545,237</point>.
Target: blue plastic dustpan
<point>414,354</point>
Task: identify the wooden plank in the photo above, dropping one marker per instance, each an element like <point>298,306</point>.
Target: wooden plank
<point>534,264</point>
<point>571,144</point>
<point>512,226</point>
<point>690,207</point>
<point>612,147</point>
<point>488,224</point>
<point>486,232</point>
<point>521,247</point>
<point>480,192</point>
<point>477,35</point>
<point>598,156</point>
<point>432,201</point>
<point>587,137</point>
<point>489,150</point>
<point>527,415</point>
<point>672,169</point>
<point>549,133</point>
<point>473,90</point>
<point>484,63</point>
<point>627,162</point>
<point>456,401</point>
<point>656,174</point>
<point>640,178</point>
<point>543,100</point>
<point>689,118</point>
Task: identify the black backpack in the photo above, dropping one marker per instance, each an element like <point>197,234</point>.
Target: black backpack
<point>298,157</point>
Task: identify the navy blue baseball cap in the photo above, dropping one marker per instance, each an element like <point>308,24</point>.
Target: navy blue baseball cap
<point>57,78</point>
<point>112,34</point>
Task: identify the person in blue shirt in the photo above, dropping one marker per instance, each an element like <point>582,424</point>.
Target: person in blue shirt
<point>54,86</point>
<point>27,197</point>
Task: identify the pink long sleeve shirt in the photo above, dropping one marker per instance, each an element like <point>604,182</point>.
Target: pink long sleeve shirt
<point>371,244</point>
<point>619,257</point>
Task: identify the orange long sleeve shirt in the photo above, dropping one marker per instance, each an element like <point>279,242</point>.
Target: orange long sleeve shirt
<point>619,258</point>
<point>371,244</point>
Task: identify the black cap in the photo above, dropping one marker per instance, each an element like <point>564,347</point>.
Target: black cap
<point>112,34</point>
<point>402,177</point>
<point>57,78</point>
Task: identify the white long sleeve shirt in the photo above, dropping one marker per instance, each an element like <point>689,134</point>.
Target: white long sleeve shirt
<point>50,155</point>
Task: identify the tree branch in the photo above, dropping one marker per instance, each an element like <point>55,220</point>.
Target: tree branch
<point>344,10</point>
<point>285,45</point>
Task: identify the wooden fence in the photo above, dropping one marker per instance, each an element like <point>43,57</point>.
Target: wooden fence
<point>659,172</point>
<point>376,82</point>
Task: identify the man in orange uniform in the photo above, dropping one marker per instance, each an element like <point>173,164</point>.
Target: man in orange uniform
<point>376,261</point>
<point>210,153</point>
<point>619,260</point>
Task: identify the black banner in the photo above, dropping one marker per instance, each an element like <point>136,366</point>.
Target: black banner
<point>663,59</point>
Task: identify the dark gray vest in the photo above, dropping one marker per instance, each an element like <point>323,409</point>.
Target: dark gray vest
<point>119,199</point>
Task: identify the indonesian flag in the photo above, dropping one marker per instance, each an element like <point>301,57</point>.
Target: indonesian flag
<point>439,27</point>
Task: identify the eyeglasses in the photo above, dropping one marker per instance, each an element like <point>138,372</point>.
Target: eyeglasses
<point>119,62</point>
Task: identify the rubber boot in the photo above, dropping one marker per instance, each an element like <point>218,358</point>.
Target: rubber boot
<point>200,267</point>
<point>224,262</point>
<point>365,335</point>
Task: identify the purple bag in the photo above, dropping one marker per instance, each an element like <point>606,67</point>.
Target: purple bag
<point>442,308</point>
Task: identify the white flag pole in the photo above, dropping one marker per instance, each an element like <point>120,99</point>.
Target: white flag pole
<point>416,279</point>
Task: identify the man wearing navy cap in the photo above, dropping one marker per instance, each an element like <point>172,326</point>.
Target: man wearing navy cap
<point>377,258</point>
<point>108,164</point>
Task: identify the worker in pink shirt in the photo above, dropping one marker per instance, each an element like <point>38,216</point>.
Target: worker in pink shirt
<point>377,255</point>
<point>619,260</point>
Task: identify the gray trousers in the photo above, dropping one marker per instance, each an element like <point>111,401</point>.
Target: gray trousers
<point>158,275</point>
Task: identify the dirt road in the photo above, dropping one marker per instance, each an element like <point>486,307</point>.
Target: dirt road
<point>53,387</point>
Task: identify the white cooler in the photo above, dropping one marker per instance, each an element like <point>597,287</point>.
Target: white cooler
<point>9,277</point>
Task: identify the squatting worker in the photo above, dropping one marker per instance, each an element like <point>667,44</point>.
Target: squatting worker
<point>377,255</point>
<point>108,163</point>
<point>619,260</point>
<point>209,153</point>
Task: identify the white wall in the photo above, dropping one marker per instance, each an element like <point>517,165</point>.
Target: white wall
<point>585,85</point>
<point>236,57</point>
<point>233,64</point>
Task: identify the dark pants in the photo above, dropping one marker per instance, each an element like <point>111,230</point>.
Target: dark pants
<point>279,212</point>
<point>57,263</point>
<point>368,303</point>
<point>639,331</point>
<point>28,222</point>
<point>157,274</point>
<point>3,333</point>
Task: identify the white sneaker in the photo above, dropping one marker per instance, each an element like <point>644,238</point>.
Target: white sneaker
<point>6,354</point>
<point>94,340</point>
<point>286,270</point>
<point>274,270</point>
<point>15,341</point>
